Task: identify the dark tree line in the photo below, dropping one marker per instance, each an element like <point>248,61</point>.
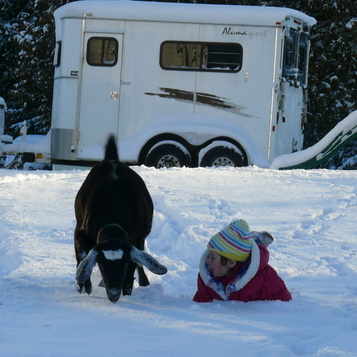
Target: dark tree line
<point>27,46</point>
<point>26,52</point>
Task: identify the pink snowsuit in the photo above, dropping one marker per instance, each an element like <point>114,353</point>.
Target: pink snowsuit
<point>248,281</point>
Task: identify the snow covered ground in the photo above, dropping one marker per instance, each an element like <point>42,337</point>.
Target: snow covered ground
<point>312,215</point>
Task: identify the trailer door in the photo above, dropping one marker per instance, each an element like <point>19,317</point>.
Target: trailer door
<point>99,93</point>
<point>294,86</point>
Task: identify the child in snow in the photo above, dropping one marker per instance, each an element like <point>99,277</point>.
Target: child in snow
<point>235,267</point>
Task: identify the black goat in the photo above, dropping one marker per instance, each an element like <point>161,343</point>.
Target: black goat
<point>114,212</point>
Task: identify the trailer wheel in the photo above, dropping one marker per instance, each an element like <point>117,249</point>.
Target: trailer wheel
<point>223,156</point>
<point>167,155</point>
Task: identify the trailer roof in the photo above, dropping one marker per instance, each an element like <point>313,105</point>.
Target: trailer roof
<point>180,12</point>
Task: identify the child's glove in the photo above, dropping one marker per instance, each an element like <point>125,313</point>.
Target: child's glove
<point>263,238</point>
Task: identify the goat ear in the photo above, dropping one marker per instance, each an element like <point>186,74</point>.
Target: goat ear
<point>142,258</point>
<point>85,267</point>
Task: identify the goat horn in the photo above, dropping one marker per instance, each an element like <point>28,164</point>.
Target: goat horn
<point>143,258</point>
<point>85,267</point>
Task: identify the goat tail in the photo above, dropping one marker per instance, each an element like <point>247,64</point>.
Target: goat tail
<point>111,150</point>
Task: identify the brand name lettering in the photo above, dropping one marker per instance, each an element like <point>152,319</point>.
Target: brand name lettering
<point>229,31</point>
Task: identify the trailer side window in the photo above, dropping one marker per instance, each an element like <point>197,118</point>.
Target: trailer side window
<point>201,56</point>
<point>304,44</point>
<point>296,51</point>
<point>102,51</point>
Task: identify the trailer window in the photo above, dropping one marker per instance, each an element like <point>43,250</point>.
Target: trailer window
<point>102,51</point>
<point>201,56</point>
<point>296,52</point>
<point>304,45</point>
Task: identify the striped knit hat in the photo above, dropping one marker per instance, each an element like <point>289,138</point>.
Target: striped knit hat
<point>233,242</point>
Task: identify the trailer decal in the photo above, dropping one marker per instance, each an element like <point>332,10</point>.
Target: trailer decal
<point>202,98</point>
<point>229,31</point>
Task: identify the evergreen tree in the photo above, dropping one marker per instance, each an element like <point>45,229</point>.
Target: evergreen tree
<point>9,50</point>
<point>27,47</point>
<point>333,84</point>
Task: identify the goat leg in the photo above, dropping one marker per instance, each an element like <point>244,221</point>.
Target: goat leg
<point>143,279</point>
<point>86,287</point>
<point>129,280</point>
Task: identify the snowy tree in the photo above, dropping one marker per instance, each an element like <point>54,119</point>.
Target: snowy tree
<point>27,33</point>
<point>9,49</point>
<point>333,83</point>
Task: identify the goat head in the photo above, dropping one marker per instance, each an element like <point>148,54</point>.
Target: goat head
<point>113,253</point>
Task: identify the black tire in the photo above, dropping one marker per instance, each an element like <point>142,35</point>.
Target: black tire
<point>223,156</point>
<point>167,155</point>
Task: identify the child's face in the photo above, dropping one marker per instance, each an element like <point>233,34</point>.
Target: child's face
<point>215,266</point>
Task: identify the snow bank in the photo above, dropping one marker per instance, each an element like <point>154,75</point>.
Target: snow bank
<point>343,131</point>
<point>29,143</point>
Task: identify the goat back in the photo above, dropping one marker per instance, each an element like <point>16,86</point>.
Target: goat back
<point>114,193</point>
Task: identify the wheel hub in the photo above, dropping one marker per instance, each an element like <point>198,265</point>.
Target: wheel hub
<point>168,161</point>
<point>222,161</point>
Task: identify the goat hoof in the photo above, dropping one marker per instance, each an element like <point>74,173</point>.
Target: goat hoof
<point>144,282</point>
<point>127,291</point>
<point>86,287</point>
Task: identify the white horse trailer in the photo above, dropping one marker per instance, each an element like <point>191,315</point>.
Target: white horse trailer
<point>178,84</point>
